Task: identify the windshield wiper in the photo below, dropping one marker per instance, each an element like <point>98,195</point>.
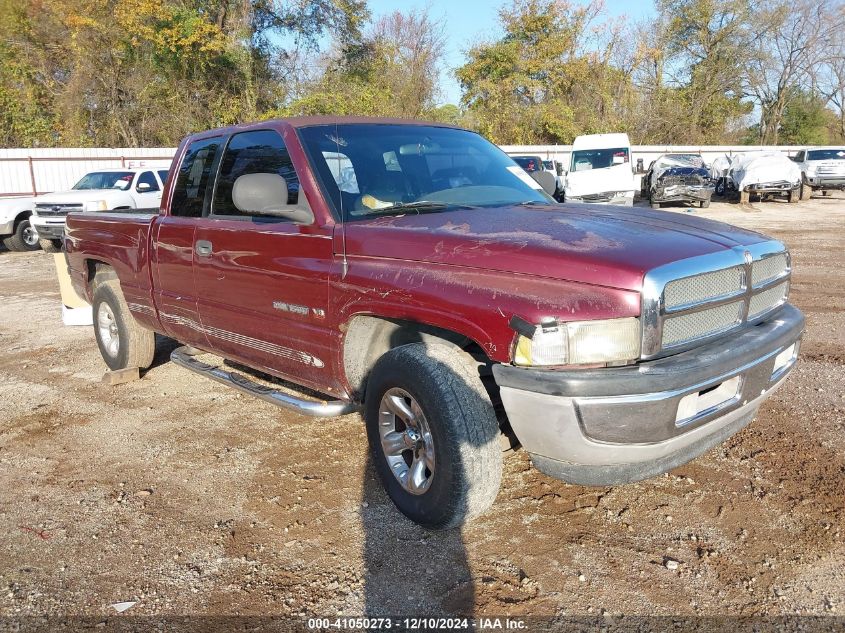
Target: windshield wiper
<point>419,205</point>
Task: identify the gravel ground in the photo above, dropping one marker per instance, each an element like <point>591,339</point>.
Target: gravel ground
<point>184,497</point>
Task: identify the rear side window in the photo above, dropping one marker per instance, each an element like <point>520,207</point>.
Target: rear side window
<point>148,178</point>
<point>162,174</point>
<point>258,152</point>
<point>192,180</point>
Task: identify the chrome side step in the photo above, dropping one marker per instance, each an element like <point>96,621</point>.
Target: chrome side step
<point>184,357</point>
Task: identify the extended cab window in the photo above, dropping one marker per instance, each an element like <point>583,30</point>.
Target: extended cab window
<point>258,152</point>
<point>192,180</point>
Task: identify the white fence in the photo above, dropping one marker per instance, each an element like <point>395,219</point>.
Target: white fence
<point>27,172</point>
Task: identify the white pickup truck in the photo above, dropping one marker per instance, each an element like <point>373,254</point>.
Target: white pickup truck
<point>16,232</point>
<point>109,189</point>
<point>822,168</point>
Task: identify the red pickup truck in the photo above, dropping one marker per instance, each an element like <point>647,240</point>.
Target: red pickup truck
<point>415,273</point>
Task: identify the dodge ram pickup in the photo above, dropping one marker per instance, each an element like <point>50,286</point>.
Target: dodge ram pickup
<point>415,273</point>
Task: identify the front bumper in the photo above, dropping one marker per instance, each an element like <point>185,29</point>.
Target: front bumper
<point>780,186</point>
<point>683,193</point>
<point>829,182</point>
<point>621,198</point>
<point>617,425</point>
<point>48,229</point>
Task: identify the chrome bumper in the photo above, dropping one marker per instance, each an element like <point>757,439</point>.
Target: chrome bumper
<point>51,229</point>
<point>616,425</point>
<point>831,181</point>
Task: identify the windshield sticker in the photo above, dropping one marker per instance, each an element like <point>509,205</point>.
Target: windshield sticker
<point>519,172</point>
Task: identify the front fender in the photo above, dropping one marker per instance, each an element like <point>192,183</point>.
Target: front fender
<point>472,302</point>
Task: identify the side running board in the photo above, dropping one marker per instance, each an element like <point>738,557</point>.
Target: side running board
<point>184,357</point>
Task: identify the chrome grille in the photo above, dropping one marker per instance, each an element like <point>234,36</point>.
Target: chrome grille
<point>768,268</point>
<point>692,325</point>
<point>704,287</point>
<point>692,300</point>
<point>768,299</point>
<point>48,210</point>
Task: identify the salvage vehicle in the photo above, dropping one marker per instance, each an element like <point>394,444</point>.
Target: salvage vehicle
<point>107,189</point>
<point>16,230</point>
<point>556,169</point>
<point>600,170</point>
<point>766,174</point>
<point>822,168</point>
<point>678,178</point>
<point>536,167</point>
<point>415,273</point>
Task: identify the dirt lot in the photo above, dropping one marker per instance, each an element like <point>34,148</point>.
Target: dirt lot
<point>179,494</point>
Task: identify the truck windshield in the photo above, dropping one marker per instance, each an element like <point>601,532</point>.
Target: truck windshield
<point>826,154</point>
<point>106,180</point>
<point>584,159</point>
<point>382,169</point>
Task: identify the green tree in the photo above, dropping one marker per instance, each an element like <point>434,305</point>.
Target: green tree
<point>806,121</point>
<point>548,78</point>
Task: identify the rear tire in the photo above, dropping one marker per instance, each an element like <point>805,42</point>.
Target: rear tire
<point>122,341</point>
<point>50,246</point>
<point>25,237</point>
<point>450,439</point>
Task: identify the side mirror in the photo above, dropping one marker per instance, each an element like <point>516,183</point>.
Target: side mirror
<point>546,180</point>
<point>267,194</point>
<point>143,187</point>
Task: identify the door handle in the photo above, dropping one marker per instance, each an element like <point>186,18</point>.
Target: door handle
<point>203,248</point>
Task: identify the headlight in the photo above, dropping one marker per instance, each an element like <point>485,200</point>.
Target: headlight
<point>97,205</point>
<point>580,343</point>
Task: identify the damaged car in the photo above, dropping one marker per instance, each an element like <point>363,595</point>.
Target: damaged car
<point>764,174</point>
<point>680,178</point>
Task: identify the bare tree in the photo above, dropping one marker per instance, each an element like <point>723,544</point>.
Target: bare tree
<point>413,44</point>
<point>800,35</point>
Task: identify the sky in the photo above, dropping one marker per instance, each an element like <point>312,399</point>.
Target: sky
<point>469,21</point>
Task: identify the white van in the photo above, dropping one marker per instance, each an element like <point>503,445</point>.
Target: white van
<point>600,170</point>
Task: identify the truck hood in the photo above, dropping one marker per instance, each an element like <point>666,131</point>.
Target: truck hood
<point>81,196</point>
<point>608,246</point>
<point>590,181</point>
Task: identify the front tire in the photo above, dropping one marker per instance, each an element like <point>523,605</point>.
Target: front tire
<point>433,434</point>
<point>50,246</point>
<point>25,237</point>
<point>122,341</point>
<point>704,204</point>
<point>794,195</point>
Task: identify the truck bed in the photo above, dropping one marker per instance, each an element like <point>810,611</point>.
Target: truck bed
<point>121,238</point>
